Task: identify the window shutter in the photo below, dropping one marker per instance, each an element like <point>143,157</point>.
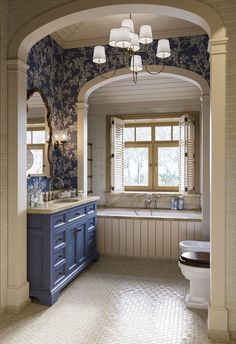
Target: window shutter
<point>117,155</point>
<point>186,154</point>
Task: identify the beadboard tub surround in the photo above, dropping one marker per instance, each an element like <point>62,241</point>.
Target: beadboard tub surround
<point>145,232</point>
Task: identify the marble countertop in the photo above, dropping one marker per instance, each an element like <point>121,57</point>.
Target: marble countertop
<point>61,204</point>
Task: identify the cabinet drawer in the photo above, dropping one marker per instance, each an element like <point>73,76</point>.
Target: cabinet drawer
<point>59,220</point>
<point>59,273</point>
<point>91,223</point>
<point>76,214</point>
<point>59,239</point>
<point>90,208</point>
<point>59,256</point>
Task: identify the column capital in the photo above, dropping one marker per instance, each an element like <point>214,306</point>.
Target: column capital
<point>16,65</point>
<point>218,46</point>
<point>82,106</point>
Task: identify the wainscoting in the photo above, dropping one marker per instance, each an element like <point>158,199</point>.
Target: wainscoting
<point>145,237</point>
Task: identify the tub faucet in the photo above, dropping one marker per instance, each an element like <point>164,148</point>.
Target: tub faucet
<point>150,199</point>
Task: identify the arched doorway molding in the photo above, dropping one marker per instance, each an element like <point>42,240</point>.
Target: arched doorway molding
<point>195,11</point>
<point>123,74</point>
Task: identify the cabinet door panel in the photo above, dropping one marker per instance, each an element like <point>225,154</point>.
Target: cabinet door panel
<point>81,243</point>
<point>71,248</point>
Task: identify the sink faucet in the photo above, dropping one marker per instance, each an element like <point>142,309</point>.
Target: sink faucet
<point>59,183</point>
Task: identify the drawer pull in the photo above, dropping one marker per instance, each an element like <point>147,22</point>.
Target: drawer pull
<point>79,229</point>
<point>59,240</point>
<point>59,221</point>
<point>59,257</point>
<point>77,214</point>
<point>59,274</point>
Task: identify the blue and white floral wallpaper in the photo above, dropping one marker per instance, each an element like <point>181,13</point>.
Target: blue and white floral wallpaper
<point>60,73</point>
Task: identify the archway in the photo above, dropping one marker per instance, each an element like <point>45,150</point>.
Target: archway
<point>195,11</point>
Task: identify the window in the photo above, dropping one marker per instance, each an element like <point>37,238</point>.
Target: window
<point>36,142</point>
<point>156,156</point>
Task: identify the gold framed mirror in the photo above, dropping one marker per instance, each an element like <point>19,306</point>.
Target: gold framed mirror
<point>39,134</point>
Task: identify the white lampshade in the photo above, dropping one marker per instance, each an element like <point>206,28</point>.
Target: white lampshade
<point>123,39</point>
<point>163,48</point>
<point>145,36</point>
<point>113,37</point>
<point>136,63</point>
<point>134,42</point>
<point>129,24</point>
<point>99,55</point>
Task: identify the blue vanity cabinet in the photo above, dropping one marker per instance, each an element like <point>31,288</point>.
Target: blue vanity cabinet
<point>60,246</point>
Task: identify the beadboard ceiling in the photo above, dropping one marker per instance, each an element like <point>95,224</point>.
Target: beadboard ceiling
<point>94,32</point>
<point>149,88</point>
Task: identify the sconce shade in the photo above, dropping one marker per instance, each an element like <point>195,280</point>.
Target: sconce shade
<point>123,39</point>
<point>163,48</point>
<point>135,46</point>
<point>129,24</point>
<point>99,55</point>
<point>145,36</point>
<point>136,63</point>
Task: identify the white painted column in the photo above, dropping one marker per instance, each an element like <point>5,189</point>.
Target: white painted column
<point>17,285</point>
<point>217,315</point>
<point>205,142</point>
<point>82,144</point>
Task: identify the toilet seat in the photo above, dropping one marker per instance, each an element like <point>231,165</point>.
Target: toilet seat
<point>196,259</point>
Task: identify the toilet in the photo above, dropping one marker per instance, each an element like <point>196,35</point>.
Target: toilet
<point>195,266</point>
<point>194,246</point>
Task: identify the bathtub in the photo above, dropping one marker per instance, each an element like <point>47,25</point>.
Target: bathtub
<point>146,232</point>
<point>150,213</point>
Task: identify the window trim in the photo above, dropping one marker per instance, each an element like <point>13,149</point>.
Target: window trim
<point>153,117</point>
<point>153,156</point>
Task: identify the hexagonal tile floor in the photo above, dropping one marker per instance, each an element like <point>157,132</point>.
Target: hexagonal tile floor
<point>115,301</point>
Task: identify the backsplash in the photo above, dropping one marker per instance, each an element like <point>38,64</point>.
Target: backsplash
<point>38,183</point>
<point>60,74</point>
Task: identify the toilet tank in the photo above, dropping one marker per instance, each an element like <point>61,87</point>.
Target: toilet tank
<point>194,246</point>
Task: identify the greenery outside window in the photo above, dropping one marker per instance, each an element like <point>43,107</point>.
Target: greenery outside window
<point>151,156</point>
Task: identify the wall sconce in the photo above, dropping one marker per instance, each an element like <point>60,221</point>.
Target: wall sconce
<point>60,137</point>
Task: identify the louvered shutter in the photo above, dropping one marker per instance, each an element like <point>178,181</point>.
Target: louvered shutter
<point>117,155</point>
<point>186,154</point>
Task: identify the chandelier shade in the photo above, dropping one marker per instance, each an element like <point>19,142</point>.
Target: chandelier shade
<point>135,46</point>
<point>113,37</point>
<point>163,48</point>
<point>145,35</point>
<point>123,38</point>
<point>129,24</point>
<point>127,43</point>
<point>99,55</point>
<point>136,63</point>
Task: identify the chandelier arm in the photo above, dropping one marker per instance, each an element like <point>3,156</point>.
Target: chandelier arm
<point>154,73</point>
<point>135,77</point>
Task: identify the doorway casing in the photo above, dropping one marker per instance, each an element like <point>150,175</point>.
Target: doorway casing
<point>194,11</point>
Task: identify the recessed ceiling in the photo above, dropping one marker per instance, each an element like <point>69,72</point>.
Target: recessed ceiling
<point>90,33</point>
<point>149,88</point>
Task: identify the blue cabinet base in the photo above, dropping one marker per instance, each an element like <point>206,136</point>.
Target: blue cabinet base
<point>46,297</point>
<point>60,247</point>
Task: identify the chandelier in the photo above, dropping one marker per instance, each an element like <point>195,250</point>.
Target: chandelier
<point>124,40</point>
